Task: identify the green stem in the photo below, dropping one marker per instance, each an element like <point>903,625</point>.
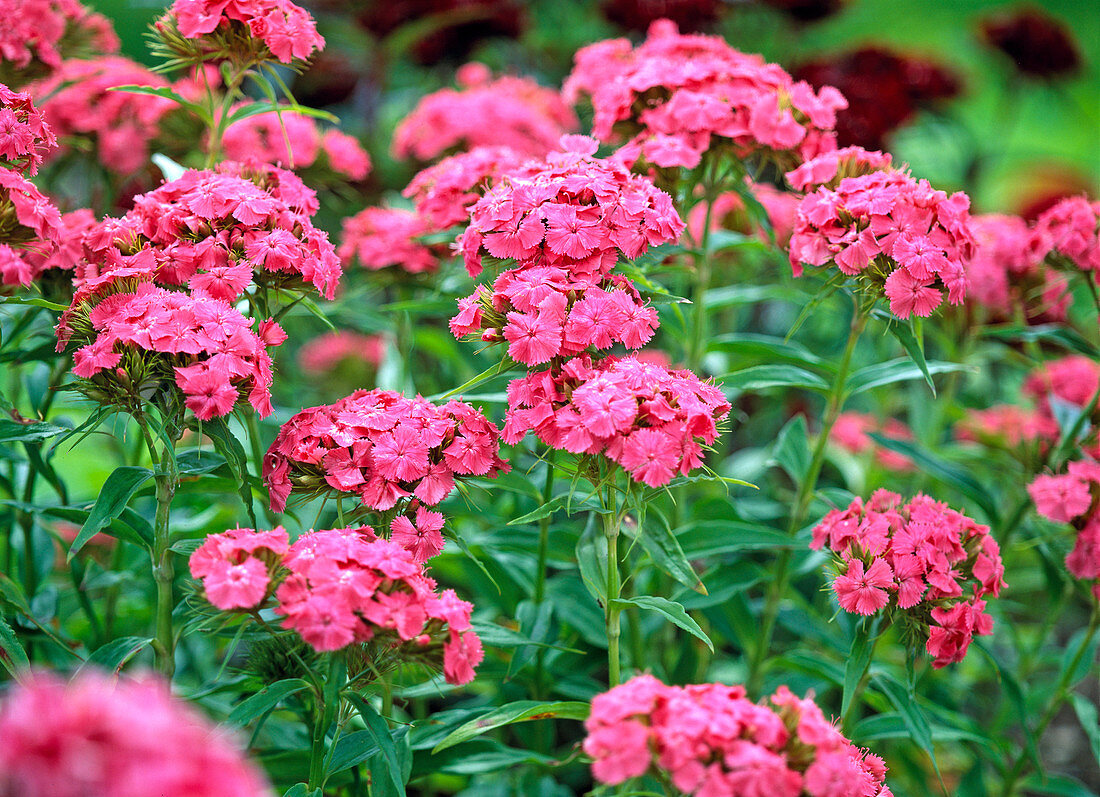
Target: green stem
<point>614,585</point>
<point>544,530</point>
<point>846,720</point>
<point>166,480</point>
<point>220,116</point>
<point>803,498</point>
<point>253,425</point>
<point>317,749</point>
<point>699,297</point>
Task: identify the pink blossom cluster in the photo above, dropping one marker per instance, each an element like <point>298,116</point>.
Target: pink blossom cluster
<point>1074,498</point>
<point>346,586</point>
<point>24,265</point>
<point>382,447</point>
<point>1006,276</point>
<point>141,338</point>
<point>114,737</point>
<point>326,352</point>
<point>850,433</point>
<point>384,237</point>
<point>1069,231</point>
<point>651,420</point>
<point>77,101</point>
<point>237,568</point>
<point>544,313</point>
<point>25,137</point>
<point>219,231</point>
<point>1074,380</point>
<point>286,30</point>
<point>444,192</point>
<point>729,212</point>
<point>895,234</point>
<point>573,210</point>
<point>30,229</point>
<point>829,168</point>
<point>1009,426</point>
<point>676,93</point>
<point>711,740</point>
<point>265,136</point>
<point>513,112</point>
<point>920,557</point>
<point>34,30</point>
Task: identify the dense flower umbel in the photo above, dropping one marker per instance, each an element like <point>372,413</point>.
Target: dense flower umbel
<point>1074,380</point>
<point>1074,497</point>
<point>542,313</point>
<point>36,34</point>
<point>928,562</point>
<point>896,235</point>
<point>265,136</point>
<point>24,135</point>
<point>829,168</point>
<point>444,192</point>
<point>511,112</point>
<point>219,231</point>
<point>675,93</point>
<point>1069,232</point>
<point>1009,426</point>
<point>29,228</point>
<point>382,447</point>
<point>711,740</point>
<point>111,737</point>
<point>21,266</point>
<point>346,586</point>
<point>237,567</point>
<point>251,30</point>
<point>573,211</point>
<point>384,237</point>
<point>651,420</point>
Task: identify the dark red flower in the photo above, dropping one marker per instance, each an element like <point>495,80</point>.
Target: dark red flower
<point>1038,44</point>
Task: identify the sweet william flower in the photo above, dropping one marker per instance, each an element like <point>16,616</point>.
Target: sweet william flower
<point>276,28</point>
<point>423,539</point>
<point>864,593</point>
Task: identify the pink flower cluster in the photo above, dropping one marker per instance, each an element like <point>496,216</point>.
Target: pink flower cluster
<point>1069,231</point>
<point>1074,497</point>
<point>1009,426</point>
<point>543,313</point>
<point>675,93</point>
<point>382,447</point>
<point>265,136</point>
<point>285,29</point>
<point>1074,380</point>
<point>920,557</point>
<point>511,112</point>
<point>326,352</point>
<point>444,192</point>
<point>219,231</point>
<point>384,237</point>
<point>650,420</point>
<point>829,168</point>
<point>346,586</point>
<point>25,137</point>
<point>114,738</point>
<point>711,740</point>
<point>237,568</point>
<point>850,433</point>
<point>33,31</point>
<point>573,210</point>
<point>895,234</point>
<point>24,265</point>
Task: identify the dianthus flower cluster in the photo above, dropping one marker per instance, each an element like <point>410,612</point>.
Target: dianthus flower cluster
<point>132,338</point>
<point>1073,380</point>
<point>34,34</point>
<point>382,447</point>
<point>1009,426</point>
<point>346,586</point>
<point>25,137</point>
<point>543,313</point>
<point>114,737</point>
<point>444,192</point>
<point>675,94</point>
<point>927,561</point>
<point>379,238</point>
<point>1069,231</point>
<point>573,210</point>
<point>257,29</point>
<point>30,229</point>
<point>850,433</point>
<point>1007,276</point>
<point>651,420</point>
<point>710,739</point>
<point>265,136</point>
<point>77,102</point>
<point>326,352</point>
<point>511,112</point>
<point>729,213</point>
<point>22,266</point>
<point>829,168</point>
<point>896,235</point>
<point>219,231</point>
<point>238,567</point>
<point>1074,498</point>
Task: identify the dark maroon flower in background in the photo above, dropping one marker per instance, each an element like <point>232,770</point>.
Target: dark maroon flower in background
<point>884,90</point>
<point>806,10</point>
<point>690,16</point>
<point>1038,44</point>
<point>330,80</point>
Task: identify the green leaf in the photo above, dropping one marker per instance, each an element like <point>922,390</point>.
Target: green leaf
<point>265,700</point>
<point>1051,333</point>
<point>117,491</point>
<point>708,538</point>
<point>906,335</point>
<point>1056,786</point>
<point>1090,721</point>
<point>33,301</point>
<point>671,611</point>
<point>859,658</point>
<point>115,655</point>
<point>761,377</point>
<point>380,733</point>
<point>226,444</point>
<point>12,655</point>
<point>462,546</point>
<point>662,545</point>
<point>302,790</point>
<point>168,167</point>
<point>1016,695</point>
<point>591,553</point>
<point>899,370</point>
<point>351,750</point>
<point>196,461</point>
<point>749,344</point>
<point>910,714</point>
<point>168,94</point>
<point>12,432</point>
<point>257,108</point>
<point>791,451</point>
<point>519,711</point>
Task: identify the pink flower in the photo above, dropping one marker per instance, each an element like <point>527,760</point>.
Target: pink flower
<point>236,567</point>
<point>389,237</point>
<point>1060,498</point>
<point>423,540</point>
<point>910,296</point>
<point>1069,234</point>
<point>864,593</point>
<point>287,31</point>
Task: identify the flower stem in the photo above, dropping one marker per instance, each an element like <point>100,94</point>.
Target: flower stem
<point>698,346</point>
<point>802,501</point>
<point>253,425</point>
<point>166,480</point>
<point>614,585</point>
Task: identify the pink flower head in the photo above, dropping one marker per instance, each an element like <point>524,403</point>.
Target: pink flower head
<point>236,567</point>
<point>650,420</point>
<point>849,433</point>
<point>389,237</point>
<point>34,32</point>
<point>911,557</point>
<point>710,739</point>
<point>25,138</point>
<point>1068,235</point>
<point>32,231</point>
<point>115,737</point>
<point>444,192</point>
<point>383,447</point>
<point>512,112</point>
<point>278,28</point>
<point>829,168</point>
<point>1009,426</point>
<point>328,351</point>
<point>422,538</point>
